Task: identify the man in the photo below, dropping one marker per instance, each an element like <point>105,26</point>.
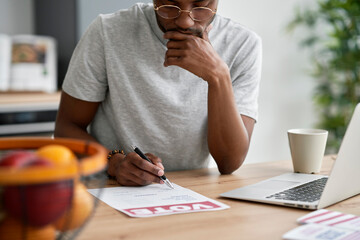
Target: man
<point>171,77</point>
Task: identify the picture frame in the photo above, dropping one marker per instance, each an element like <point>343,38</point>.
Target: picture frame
<point>32,64</point>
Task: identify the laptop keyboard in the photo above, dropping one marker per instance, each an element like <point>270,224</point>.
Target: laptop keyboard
<point>308,192</point>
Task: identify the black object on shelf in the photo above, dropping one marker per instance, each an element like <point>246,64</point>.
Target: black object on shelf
<point>58,19</point>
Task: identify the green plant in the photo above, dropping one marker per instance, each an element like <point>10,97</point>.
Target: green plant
<point>334,40</point>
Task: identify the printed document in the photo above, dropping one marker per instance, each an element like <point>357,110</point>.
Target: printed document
<point>325,224</point>
<point>155,200</point>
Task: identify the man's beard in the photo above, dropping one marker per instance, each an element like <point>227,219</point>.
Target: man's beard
<point>190,31</point>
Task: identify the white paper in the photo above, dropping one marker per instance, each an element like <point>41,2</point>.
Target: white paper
<point>321,232</point>
<point>326,225</point>
<point>332,218</point>
<point>155,200</point>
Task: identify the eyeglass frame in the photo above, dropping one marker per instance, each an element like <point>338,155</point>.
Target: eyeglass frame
<point>181,10</point>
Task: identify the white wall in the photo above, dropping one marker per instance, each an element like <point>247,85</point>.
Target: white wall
<point>88,10</point>
<point>16,17</point>
<point>286,89</point>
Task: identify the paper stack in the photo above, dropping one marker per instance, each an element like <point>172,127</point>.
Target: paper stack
<point>326,225</point>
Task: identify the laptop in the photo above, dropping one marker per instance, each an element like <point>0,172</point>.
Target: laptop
<point>310,191</point>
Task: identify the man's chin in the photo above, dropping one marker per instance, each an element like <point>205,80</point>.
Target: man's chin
<point>187,32</point>
<point>196,33</point>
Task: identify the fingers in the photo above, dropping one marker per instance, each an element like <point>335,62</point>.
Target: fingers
<point>176,57</point>
<point>135,171</point>
<point>174,44</point>
<point>129,174</point>
<point>182,50</point>
<point>175,53</point>
<point>143,177</point>
<point>144,165</point>
<point>127,182</point>
<point>187,43</point>
<point>173,35</point>
<point>174,61</point>
<point>155,160</point>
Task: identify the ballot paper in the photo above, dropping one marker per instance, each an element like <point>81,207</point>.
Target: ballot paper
<point>332,218</point>
<point>321,232</point>
<point>326,225</point>
<point>155,200</point>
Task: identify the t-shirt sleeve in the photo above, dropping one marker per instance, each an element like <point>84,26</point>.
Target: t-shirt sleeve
<point>246,75</point>
<point>86,76</point>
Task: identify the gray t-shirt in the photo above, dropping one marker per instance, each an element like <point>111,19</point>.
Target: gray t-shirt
<point>163,110</point>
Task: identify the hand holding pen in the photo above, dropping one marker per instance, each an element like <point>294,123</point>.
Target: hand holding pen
<point>142,155</point>
<point>132,170</point>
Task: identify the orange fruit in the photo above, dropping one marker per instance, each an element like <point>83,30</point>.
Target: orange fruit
<point>81,208</point>
<point>12,229</point>
<point>57,154</point>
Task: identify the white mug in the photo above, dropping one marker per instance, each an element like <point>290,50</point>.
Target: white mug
<point>307,147</point>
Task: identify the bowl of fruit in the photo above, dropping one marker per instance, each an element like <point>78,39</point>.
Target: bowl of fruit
<point>43,186</point>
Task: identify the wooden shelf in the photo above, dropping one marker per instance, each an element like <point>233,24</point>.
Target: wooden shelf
<point>28,97</point>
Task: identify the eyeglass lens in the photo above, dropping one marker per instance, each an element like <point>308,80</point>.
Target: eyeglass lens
<point>197,13</point>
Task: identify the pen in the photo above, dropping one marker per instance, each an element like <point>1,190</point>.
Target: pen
<point>142,155</point>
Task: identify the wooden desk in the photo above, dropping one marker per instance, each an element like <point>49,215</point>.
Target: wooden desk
<point>244,220</point>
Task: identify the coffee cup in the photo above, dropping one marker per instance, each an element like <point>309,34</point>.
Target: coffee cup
<point>307,147</point>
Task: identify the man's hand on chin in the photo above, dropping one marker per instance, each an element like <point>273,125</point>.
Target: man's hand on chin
<point>194,54</point>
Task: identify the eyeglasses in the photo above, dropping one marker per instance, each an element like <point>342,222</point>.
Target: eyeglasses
<point>197,14</point>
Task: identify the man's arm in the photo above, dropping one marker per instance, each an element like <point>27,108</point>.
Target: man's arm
<point>73,117</point>
<point>229,133</point>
